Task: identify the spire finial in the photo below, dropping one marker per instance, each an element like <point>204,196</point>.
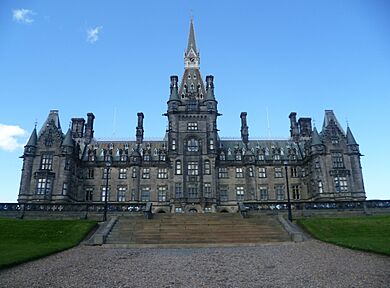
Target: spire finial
<point>35,123</point>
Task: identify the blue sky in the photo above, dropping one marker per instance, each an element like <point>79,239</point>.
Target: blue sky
<point>114,58</point>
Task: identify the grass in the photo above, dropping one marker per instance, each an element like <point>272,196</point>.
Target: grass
<point>367,233</point>
<point>25,240</point>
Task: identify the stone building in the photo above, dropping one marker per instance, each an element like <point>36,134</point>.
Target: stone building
<point>192,168</point>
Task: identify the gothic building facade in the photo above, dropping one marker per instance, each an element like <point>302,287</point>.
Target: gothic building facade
<point>192,168</point>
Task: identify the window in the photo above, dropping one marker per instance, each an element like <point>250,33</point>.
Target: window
<point>240,193</point>
<point>211,144</point>
<point>103,194</point>
<point>320,187</point>
<point>134,172</point>
<point>178,190</point>
<point>238,156</point>
<point>122,173</point>
<point>43,186</point>
<point>278,172</point>
<point>123,158</point>
<point>207,190</point>
<point>263,191</point>
<point>341,184</point>
<point>276,157</point>
<point>260,157</point>
<point>162,173</point>
<point>193,126</point>
<point>91,173</point>
<point>296,192</point>
<point>193,168</point>
<point>279,190</point>
<point>173,144</point>
<point>262,172</point>
<point>250,172</point>
<point>106,173</point>
<point>223,172</point>
<point>162,157</point>
<point>178,210</point>
<point>294,172</point>
<point>337,159</point>
<point>192,145</point>
<point>68,164</point>
<point>162,194</point>
<point>121,196</point>
<point>46,162</point>
<point>145,173</point>
<point>145,194</point>
<point>223,193</point>
<point>88,193</point>
<point>239,172</point>
<point>192,191</point>
<point>222,156</point>
<point>146,157</point>
<point>178,167</point>
<point>65,188</point>
<point>207,167</point>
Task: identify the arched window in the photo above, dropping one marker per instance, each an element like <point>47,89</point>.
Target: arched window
<point>192,145</point>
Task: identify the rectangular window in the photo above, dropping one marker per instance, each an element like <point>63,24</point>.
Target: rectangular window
<point>103,194</point>
<point>211,144</point>
<point>162,194</point>
<point>239,172</point>
<point>250,172</point>
<point>89,194</point>
<point>223,172</point>
<point>68,164</point>
<point>262,172</point>
<point>178,190</point>
<point>341,184</point>
<point>134,172</point>
<point>106,173</point>
<point>192,191</point>
<point>320,187</point>
<point>296,192</point>
<point>178,167</point>
<point>240,193</point>
<point>146,157</point>
<point>43,186</point>
<point>238,156</point>
<point>146,173</point>
<point>294,172</point>
<point>122,173</point>
<point>145,194</point>
<point>65,188</point>
<point>279,190</point>
<point>91,173</point>
<point>276,157</point>
<point>121,194</point>
<point>162,157</point>
<point>260,157</point>
<point>193,168</point>
<point>263,191</point>
<point>278,172</point>
<point>223,193</point>
<point>173,145</point>
<point>162,173</point>
<point>46,162</point>
<point>207,167</point>
<point>337,160</point>
<point>207,190</point>
<point>193,126</point>
<point>123,158</point>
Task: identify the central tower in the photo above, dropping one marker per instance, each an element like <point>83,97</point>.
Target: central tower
<point>192,134</point>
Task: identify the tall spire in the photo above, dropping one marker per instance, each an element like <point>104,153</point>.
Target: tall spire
<point>191,56</point>
<point>350,139</point>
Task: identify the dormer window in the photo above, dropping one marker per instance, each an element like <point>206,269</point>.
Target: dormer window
<point>222,156</point>
<point>238,156</point>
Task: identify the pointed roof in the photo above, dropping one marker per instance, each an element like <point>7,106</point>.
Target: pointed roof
<point>350,139</point>
<point>315,137</point>
<point>68,141</point>
<point>330,117</point>
<point>33,138</point>
<point>191,38</point>
<point>52,117</point>
<point>174,94</point>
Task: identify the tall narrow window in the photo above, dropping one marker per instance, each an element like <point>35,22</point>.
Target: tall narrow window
<point>178,190</point>
<point>122,173</point>
<point>91,173</point>
<point>46,162</point>
<point>68,164</point>
<point>211,144</point>
<point>106,173</point>
<point>193,168</point>
<point>223,193</point>
<point>178,167</point>
<point>240,193</point>
<point>43,186</point>
<point>65,188</point>
<point>239,172</point>
<point>320,187</point>
<point>207,167</point>
<point>341,184</point>
<point>279,190</point>
<point>262,172</point>
<point>88,193</point>
<point>294,172</point>
<point>250,172</point>
<point>222,156</point>
<point>207,190</point>
<point>134,172</point>
<point>145,194</point>
<point>173,144</point>
<point>263,191</point>
<point>146,173</point>
<point>192,191</point>
<point>338,160</point>
<point>278,172</point>
<point>296,192</point>
<point>162,173</point>
<point>104,193</point>
<point>121,193</point>
<point>162,194</point>
<point>223,172</point>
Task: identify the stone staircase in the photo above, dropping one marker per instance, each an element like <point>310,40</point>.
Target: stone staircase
<point>188,230</point>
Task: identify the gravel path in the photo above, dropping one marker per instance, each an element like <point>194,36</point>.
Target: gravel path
<point>307,264</point>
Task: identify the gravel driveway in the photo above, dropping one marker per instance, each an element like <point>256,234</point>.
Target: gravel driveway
<point>307,264</point>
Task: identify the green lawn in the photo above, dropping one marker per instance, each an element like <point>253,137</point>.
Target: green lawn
<point>24,240</point>
<point>368,233</point>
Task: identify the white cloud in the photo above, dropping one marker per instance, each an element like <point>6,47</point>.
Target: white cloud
<point>23,16</point>
<point>9,135</point>
<point>93,34</point>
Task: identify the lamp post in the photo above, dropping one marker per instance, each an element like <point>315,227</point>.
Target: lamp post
<point>108,165</point>
<point>288,192</point>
